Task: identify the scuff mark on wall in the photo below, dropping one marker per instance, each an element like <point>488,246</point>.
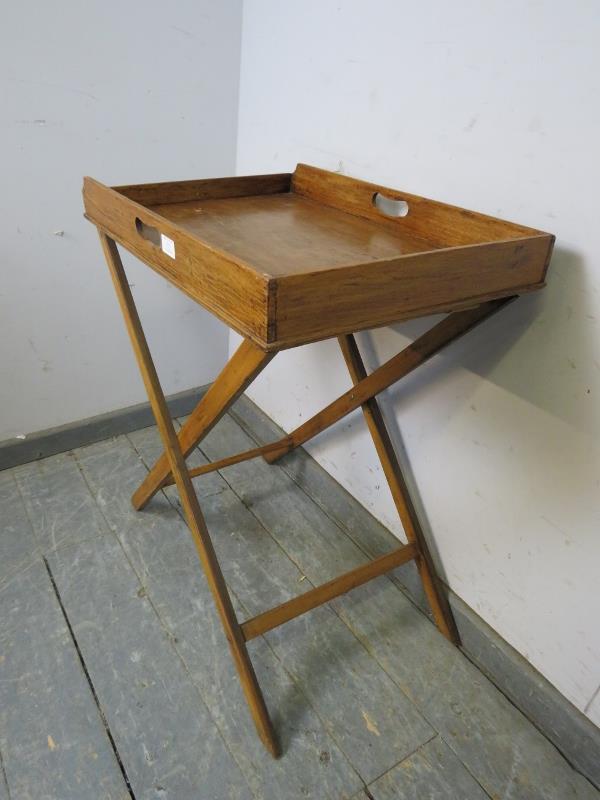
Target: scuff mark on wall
<point>46,365</point>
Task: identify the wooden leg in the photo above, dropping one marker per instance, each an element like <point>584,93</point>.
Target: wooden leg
<point>237,375</point>
<point>404,505</point>
<point>177,467</point>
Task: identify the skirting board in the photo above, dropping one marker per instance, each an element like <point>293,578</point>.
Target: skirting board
<point>94,429</point>
<point>577,738</point>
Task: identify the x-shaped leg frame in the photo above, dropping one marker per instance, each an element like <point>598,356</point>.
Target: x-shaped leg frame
<point>240,371</point>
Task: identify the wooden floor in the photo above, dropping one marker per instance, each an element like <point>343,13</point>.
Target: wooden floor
<point>116,680</point>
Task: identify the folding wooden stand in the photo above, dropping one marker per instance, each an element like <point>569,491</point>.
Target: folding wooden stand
<point>288,259</point>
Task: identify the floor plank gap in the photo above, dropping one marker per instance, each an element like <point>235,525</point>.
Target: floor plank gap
<point>89,680</point>
<point>3,779</point>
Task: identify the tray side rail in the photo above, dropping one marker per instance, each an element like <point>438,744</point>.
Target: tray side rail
<point>327,303</point>
<point>224,285</point>
<point>441,224</point>
<point>149,194</point>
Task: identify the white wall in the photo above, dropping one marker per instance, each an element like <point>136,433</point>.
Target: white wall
<point>125,92</point>
<point>493,106</point>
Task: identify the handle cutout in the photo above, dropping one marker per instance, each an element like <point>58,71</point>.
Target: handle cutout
<point>147,232</point>
<point>389,206</point>
<point>153,235</point>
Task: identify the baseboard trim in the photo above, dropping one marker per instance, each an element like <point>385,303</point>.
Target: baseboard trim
<point>87,431</point>
<point>573,734</point>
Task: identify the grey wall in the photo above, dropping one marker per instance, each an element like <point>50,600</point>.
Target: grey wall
<point>125,92</point>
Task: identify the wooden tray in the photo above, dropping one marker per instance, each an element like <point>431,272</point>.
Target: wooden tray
<point>291,258</point>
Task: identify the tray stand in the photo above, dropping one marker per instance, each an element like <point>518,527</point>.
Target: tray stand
<point>246,363</point>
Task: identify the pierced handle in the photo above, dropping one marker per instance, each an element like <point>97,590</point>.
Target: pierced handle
<point>155,237</point>
<point>389,206</point>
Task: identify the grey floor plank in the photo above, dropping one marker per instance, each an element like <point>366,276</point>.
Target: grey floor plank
<point>507,755</point>
<point>18,542</point>
<point>368,715</point>
<point>433,772</point>
<point>52,738</point>
<point>160,546</point>
<point>167,740</point>
<point>58,502</point>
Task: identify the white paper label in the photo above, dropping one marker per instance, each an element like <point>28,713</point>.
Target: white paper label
<point>167,245</point>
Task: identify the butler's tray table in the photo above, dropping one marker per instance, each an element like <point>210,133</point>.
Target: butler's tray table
<point>288,259</point>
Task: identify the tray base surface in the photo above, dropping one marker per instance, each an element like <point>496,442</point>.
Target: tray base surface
<point>286,234</point>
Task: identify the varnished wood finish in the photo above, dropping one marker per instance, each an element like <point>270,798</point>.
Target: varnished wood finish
<point>403,288</point>
<point>238,373</point>
<point>322,594</point>
<point>287,259</point>
<point>303,236</point>
<point>400,365</point>
<point>189,500</point>
<point>401,496</point>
